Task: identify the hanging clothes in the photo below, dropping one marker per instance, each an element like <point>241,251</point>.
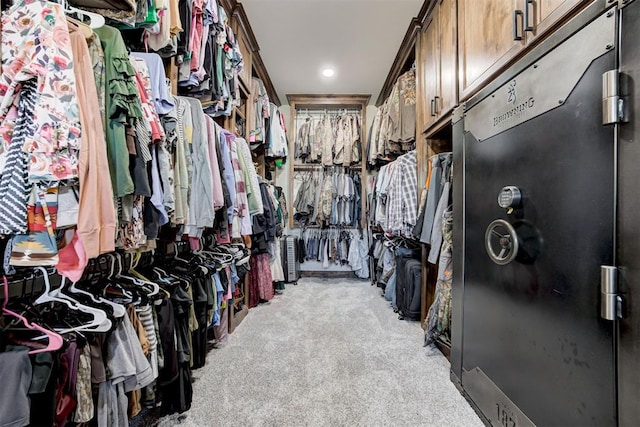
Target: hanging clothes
<point>395,196</point>
<point>393,130</point>
<point>96,212</point>
<point>438,321</point>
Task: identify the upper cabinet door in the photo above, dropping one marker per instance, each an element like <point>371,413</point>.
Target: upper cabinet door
<point>448,57</point>
<point>544,14</point>
<point>430,50</point>
<point>486,31</point>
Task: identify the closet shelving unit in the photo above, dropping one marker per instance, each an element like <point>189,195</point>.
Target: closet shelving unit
<point>245,111</point>
<point>242,118</point>
<point>330,103</point>
<point>430,45</point>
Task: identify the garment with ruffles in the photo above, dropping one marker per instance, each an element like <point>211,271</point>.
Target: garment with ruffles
<point>97,61</point>
<point>122,106</point>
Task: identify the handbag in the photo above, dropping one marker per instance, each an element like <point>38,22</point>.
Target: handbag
<point>68,197</point>
<point>38,247</point>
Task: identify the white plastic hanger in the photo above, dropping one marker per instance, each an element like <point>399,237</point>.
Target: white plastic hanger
<point>99,323</point>
<point>95,20</point>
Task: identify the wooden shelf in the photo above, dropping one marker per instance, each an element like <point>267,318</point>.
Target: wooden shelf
<point>240,113</point>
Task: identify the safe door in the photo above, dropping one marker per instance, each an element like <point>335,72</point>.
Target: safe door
<point>536,206</point>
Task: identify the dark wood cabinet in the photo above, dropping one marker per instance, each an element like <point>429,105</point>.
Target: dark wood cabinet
<point>437,64</point>
<point>492,33</point>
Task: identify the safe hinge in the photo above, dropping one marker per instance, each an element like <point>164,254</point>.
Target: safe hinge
<point>619,3</point>
<point>613,103</point>
<point>623,3</point>
<point>610,300</point>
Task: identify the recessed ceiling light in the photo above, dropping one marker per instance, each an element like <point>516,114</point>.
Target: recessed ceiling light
<point>328,72</point>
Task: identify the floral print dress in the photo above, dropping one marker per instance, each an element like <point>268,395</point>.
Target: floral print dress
<point>36,45</point>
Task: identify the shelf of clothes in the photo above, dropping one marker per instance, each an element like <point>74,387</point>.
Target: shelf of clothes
<point>327,196</point>
<point>329,137</point>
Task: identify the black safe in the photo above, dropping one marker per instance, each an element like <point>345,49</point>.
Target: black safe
<point>547,231</point>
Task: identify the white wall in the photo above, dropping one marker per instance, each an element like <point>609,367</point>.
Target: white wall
<point>282,180</point>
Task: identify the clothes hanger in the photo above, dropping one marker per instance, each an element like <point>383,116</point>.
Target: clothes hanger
<point>175,254</point>
<point>95,20</point>
<point>86,30</point>
<point>55,341</point>
<point>100,322</point>
<point>150,288</point>
<point>143,281</point>
<point>118,310</point>
<point>111,280</point>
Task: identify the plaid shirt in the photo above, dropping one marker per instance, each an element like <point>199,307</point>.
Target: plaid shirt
<point>402,199</point>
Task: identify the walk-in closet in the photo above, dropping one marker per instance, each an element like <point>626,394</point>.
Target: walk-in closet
<point>319,213</point>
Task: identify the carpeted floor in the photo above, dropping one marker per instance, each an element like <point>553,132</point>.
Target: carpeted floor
<point>325,353</point>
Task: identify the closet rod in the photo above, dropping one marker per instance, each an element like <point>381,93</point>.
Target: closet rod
<point>319,166</point>
<point>322,112</point>
<point>330,227</point>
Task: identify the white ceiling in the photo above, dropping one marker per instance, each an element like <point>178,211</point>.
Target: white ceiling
<point>359,38</point>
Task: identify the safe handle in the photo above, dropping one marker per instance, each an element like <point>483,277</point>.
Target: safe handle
<point>528,5</point>
<point>516,35</point>
<point>507,243</point>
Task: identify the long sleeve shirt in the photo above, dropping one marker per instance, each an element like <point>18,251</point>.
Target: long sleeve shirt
<point>254,199</point>
<point>402,203</point>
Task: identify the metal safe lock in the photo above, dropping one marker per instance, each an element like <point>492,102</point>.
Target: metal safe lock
<point>509,197</point>
<point>501,242</point>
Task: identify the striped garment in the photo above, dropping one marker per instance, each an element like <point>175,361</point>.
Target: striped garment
<point>145,314</point>
<point>14,184</point>
<point>241,205</point>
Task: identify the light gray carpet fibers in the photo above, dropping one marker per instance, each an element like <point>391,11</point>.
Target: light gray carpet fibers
<point>325,353</point>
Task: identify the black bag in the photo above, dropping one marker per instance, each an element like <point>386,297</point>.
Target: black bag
<point>409,285</point>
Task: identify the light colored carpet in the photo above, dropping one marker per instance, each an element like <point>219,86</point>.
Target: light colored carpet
<point>326,353</point>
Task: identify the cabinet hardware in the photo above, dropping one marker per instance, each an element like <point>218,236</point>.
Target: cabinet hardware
<point>436,101</point>
<point>516,35</point>
<point>433,107</point>
<point>528,4</point>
